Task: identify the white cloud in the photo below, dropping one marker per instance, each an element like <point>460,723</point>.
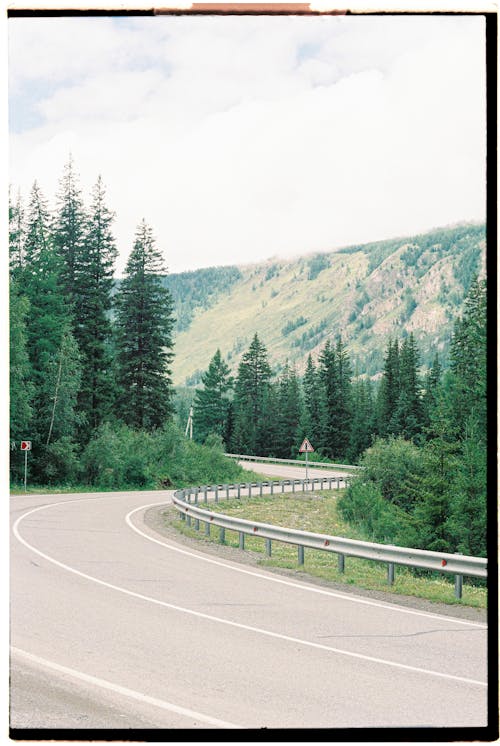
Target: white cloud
<point>241,138</point>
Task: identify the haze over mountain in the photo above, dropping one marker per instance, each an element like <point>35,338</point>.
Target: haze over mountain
<point>367,293</point>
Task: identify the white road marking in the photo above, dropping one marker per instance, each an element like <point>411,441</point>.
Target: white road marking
<point>124,691</point>
<point>273,579</point>
<point>227,622</point>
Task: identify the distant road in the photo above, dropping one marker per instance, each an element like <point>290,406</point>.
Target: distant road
<point>291,472</point>
<point>115,626</point>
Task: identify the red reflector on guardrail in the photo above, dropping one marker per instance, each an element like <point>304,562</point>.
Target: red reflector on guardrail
<point>444,563</point>
<point>255,528</point>
<point>327,543</point>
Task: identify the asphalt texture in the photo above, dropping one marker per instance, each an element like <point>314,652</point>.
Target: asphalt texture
<point>115,624</point>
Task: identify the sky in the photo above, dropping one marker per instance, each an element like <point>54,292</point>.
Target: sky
<point>239,139</point>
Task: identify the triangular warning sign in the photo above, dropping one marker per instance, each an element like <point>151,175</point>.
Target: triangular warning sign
<point>306,447</point>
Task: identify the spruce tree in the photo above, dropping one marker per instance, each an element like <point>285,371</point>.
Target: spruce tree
<point>16,235</point>
<point>21,387</point>
<point>389,390</point>
<point>289,413</point>
<point>407,417</point>
<point>362,419</point>
<point>52,350</point>
<point>468,360</point>
<point>211,403</point>
<point>251,391</point>
<point>68,232</point>
<point>144,344</point>
<point>313,414</point>
<point>94,282</point>
<point>327,373</point>
<point>335,372</point>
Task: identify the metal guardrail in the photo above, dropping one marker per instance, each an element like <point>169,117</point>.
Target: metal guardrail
<point>187,500</point>
<point>311,464</point>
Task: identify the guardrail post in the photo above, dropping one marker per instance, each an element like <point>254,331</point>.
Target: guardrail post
<point>207,528</point>
<point>293,485</point>
<point>249,489</point>
<point>260,489</point>
<point>197,524</point>
<point>197,489</point>
<point>205,496</point>
<point>390,573</point>
<point>338,483</point>
<point>303,486</point>
<point>272,486</point>
<point>300,552</point>
<point>188,520</point>
<point>268,547</point>
<point>222,535</point>
<point>227,490</point>
<point>242,539</point>
<point>282,485</point>
<point>239,490</point>
<point>216,493</point>
<point>341,558</point>
<point>458,586</point>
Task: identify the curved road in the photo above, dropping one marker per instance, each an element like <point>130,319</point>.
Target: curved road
<point>116,626</point>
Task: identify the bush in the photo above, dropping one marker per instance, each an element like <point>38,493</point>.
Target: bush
<point>396,466</point>
<point>120,458</point>
<point>362,505</point>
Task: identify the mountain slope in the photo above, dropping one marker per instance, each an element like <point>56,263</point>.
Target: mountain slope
<point>366,293</point>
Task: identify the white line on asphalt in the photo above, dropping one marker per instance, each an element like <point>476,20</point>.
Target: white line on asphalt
<point>274,579</point>
<point>131,693</point>
<point>227,622</point>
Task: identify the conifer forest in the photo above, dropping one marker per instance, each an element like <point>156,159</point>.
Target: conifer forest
<point>91,386</point>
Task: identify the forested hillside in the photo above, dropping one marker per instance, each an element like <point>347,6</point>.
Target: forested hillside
<point>365,293</point>
<point>198,289</point>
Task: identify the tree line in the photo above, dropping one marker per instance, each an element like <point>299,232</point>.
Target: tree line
<point>421,439</point>
<point>81,354</point>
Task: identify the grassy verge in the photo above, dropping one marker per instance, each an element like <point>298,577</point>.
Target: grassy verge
<point>245,476</point>
<point>317,513</point>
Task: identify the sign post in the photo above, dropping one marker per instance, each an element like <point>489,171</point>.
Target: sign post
<point>306,448</point>
<point>25,446</point>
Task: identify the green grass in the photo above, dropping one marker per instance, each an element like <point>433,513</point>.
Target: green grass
<point>53,490</point>
<point>317,513</point>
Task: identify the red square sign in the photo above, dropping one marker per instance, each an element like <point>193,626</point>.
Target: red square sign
<point>26,445</point>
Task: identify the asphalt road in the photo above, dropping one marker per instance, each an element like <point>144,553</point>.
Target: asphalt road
<point>116,626</point>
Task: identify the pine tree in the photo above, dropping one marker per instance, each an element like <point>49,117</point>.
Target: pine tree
<point>407,417</point>
<point>432,388</point>
<point>468,360</point>
<point>389,389</point>
<point>68,233</point>
<point>211,403</point>
<point>335,373</point>
<point>362,420</point>
<point>52,350</point>
<point>16,235</point>
<point>343,406</point>
<point>251,389</point>
<point>313,414</point>
<point>144,337</point>
<point>21,387</point>
<point>94,282</point>
<point>289,413</point>
<point>37,236</point>
<point>327,375</point>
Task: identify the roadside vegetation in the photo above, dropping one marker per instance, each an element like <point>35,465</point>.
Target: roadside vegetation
<point>318,513</point>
